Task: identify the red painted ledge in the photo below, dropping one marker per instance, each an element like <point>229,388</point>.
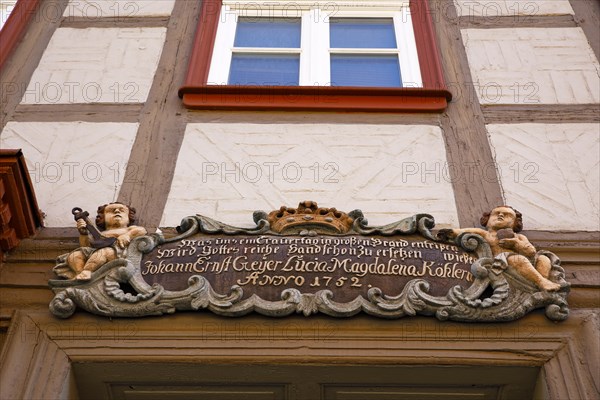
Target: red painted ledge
<point>307,98</point>
<point>19,212</point>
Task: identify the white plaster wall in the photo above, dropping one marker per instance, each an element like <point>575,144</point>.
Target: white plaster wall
<point>532,66</point>
<point>388,171</point>
<point>72,164</point>
<point>497,8</point>
<point>91,9</point>
<point>97,65</point>
<point>551,173</point>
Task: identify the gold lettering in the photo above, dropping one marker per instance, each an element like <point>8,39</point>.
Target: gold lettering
<point>148,265</point>
<point>252,278</point>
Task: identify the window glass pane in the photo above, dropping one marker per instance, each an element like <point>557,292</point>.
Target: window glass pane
<point>267,32</point>
<point>358,33</point>
<point>365,70</point>
<point>265,69</point>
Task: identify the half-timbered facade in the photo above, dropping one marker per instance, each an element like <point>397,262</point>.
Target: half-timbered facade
<point>449,107</point>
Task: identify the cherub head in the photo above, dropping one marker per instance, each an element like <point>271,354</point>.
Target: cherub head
<point>114,215</point>
<point>503,217</point>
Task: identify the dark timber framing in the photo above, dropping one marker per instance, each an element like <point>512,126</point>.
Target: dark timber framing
<point>465,134</point>
<point>162,118</point>
<point>464,122</point>
<point>15,27</point>
<point>517,21</point>
<point>39,360</point>
<point>587,16</point>
<point>19,67</point>
<point>95,112</point>
<point>154,154</point>
<point>114,22</point>
<point>541,113</point>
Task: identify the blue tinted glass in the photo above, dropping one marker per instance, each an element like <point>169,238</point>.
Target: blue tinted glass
<point>360,33</point>
<point>365,70</point>
<point>267,32</point>
<point>265,69</point>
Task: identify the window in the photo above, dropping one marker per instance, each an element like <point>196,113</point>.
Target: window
<point>352,55</point>
<point>364,52</point>
<point>264,52</point>
<point>349,50</point>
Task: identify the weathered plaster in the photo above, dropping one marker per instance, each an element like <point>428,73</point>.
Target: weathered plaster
<point>532,66</point>
<point>72,163</point>
<point>96,65</point>
<point>227,171</point>
<point>550,172</point>
<point>497,8</point>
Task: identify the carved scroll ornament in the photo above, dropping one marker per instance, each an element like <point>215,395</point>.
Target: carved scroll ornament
<point>495,291</point>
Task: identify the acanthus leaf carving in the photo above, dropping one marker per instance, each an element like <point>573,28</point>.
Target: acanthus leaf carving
<point>118,289</point>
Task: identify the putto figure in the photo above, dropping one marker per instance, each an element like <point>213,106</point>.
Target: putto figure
<point>503,224</point>
<point>114,220</point>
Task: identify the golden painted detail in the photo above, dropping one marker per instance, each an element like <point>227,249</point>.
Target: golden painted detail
<point>400,287</point>
<point>98,247</point>
<point>502,227</point>
<point>309,216</point>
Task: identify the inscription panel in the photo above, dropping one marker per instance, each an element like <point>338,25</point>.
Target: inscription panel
<point>347,265</point>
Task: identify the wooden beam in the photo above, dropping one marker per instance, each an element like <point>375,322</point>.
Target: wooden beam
<point>114,22</point>
<point>95,112</point>
<point>17,70</point>
<point>155,150</point>
<point>517,21</point>
<point>467,146</point>
<point>587,16</point>
<point>541,113</point>
<point>16,26</point>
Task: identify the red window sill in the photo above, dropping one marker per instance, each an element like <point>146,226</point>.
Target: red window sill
<point>303,98</point>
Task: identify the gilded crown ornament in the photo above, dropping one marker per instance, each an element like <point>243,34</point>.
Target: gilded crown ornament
<point>308,216</point>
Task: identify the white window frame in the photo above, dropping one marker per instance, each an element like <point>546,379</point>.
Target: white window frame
<point>314,48</point>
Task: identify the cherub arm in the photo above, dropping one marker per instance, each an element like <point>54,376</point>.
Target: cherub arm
<point>84,239</point>
<point>132,232</point>
<point>135,231</point>
<point>519,244</point>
